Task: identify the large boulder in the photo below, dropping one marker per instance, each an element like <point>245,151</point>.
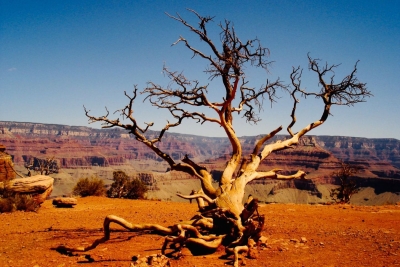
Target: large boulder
<point>39,186</point>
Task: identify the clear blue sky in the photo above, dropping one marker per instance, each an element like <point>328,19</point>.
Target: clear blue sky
<point>56,56</point>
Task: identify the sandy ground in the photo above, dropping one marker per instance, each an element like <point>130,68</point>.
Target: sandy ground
<point>338,235</point>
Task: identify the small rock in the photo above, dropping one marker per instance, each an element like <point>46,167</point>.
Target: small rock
<point>65,202</point>
<point>263,241</point>
<point>303,240</point>
<point>281,248</point>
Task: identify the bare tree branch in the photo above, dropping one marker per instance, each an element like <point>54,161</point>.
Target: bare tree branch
<point>295,76</point>
<point>226,220</point>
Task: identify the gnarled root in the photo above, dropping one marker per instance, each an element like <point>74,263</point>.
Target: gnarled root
<point>252,224</point>
<point>120,221</point>
<point>183,234</point>
<point>200,246</point>
<point>202,235</point>
<point>236,251</point>
<point>197,243</point>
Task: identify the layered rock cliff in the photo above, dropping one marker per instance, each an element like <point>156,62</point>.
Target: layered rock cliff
<point>357,150</point>
<point>84,151</point>
<point>84,147</point>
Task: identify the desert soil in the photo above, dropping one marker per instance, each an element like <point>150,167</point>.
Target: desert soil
<point>337,235</point>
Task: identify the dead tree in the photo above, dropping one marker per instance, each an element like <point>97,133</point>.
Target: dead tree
<point>223,218</point>
<point>44,166</point>
<point>29,166</point>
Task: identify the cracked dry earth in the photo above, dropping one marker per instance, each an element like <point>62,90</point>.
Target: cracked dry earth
<point>337,235</point>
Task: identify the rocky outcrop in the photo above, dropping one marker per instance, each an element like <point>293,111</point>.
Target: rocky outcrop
<point>38,186</point>
<point>6,165</point>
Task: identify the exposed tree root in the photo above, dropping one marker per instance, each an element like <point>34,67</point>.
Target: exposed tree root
<point>224,219</point>
<point>202,235</point>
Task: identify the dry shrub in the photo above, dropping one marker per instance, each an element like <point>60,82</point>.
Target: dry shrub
<point>6,205</point>
<point>137,189</point>
<point>126,187</point>
<point>93,186</point>
<point>25,203</point>
<point>18,202</point>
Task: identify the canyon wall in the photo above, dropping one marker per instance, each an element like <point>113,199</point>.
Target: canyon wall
<point>84,147</point>
<point>83,151</point>
<point>80,147</point>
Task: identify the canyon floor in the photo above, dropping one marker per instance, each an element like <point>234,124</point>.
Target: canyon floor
<point>337,235</point>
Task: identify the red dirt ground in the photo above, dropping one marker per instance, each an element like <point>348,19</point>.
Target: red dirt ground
<point>337,235</point>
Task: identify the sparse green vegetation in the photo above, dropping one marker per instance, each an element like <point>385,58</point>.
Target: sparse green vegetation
<point>126,187</point>
<point>93,186</point>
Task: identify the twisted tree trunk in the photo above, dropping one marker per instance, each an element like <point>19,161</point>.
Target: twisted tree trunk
<point>224,217</point>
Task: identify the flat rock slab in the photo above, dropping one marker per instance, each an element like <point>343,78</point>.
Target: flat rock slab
<point>30,185</point>
<point>39,186</point>
<point>65,202</point>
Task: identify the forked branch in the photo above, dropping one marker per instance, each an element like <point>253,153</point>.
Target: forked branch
<point>139,133</point>
<point>226,220</point>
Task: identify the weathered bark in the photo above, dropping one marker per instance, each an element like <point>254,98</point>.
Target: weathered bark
<point>224,219</point>
<point>214,225</point>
